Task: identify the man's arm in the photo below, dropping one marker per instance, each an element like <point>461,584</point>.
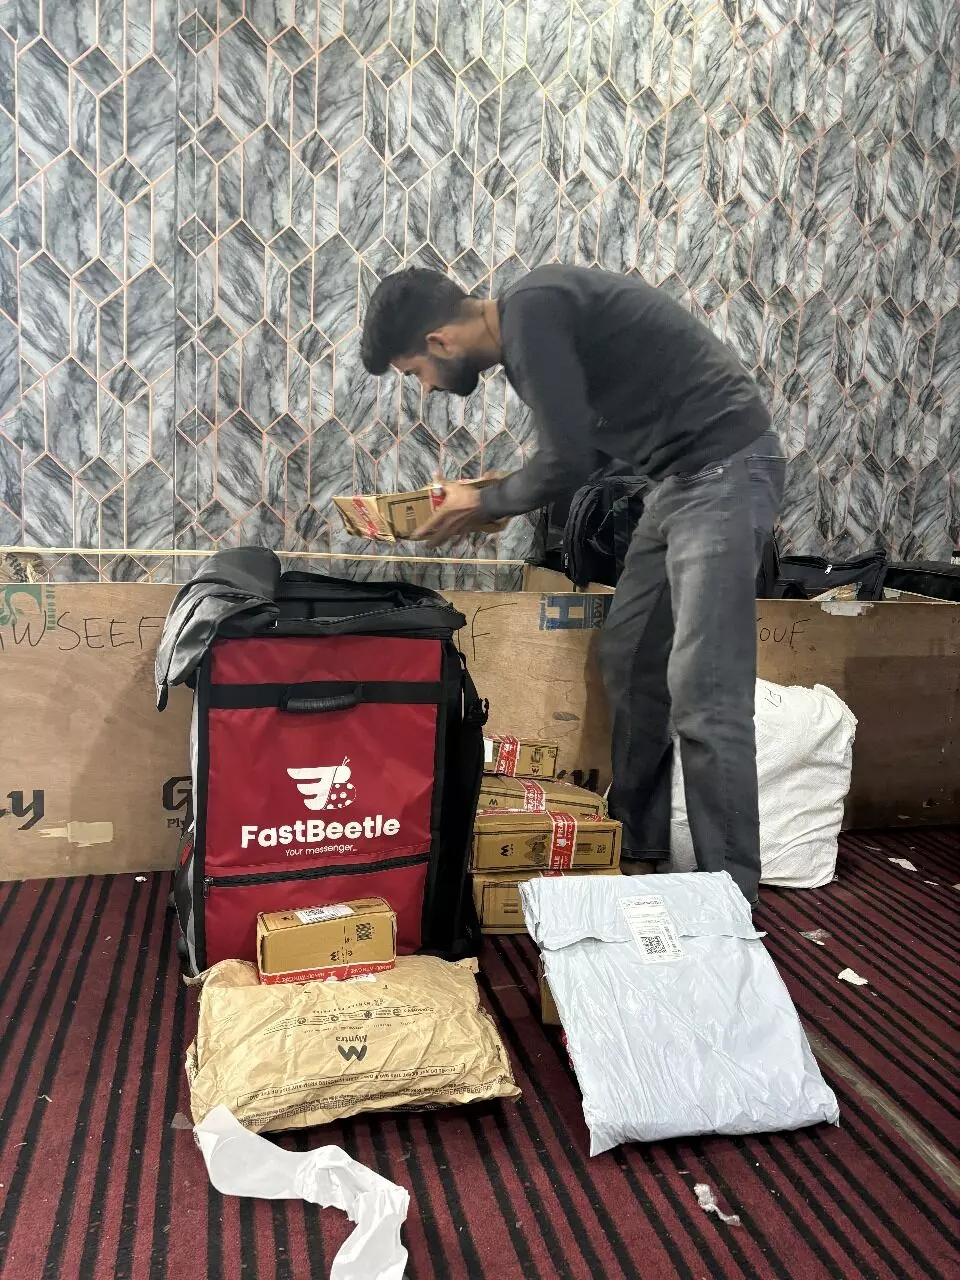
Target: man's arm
<point>545,364</point>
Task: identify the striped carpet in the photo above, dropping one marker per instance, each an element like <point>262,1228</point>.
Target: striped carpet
<point>100,1182</point>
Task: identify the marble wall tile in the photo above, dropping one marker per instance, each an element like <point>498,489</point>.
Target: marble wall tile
<point>786,168</point>
<point>42,103</point>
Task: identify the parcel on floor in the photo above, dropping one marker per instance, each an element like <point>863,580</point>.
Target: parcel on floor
<point>287,1056</point>
<point>677,1022</point>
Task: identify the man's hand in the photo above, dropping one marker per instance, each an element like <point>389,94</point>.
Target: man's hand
<point>459,513</point>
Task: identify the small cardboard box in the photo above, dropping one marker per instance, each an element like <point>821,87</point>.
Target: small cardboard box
<point>543,842</point>
<point>549,1014</point>
<point>520,757</point>
<point>392,517</point>
<point>344,940</point>
<point>529,796</point>
<point>496,895</point>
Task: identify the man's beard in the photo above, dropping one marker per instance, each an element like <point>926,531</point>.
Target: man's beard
<point>460,374</point>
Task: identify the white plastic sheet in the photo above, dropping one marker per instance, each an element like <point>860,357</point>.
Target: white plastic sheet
<point>804,759</point>
<point>708,1042</point>
<point>241,1163</point>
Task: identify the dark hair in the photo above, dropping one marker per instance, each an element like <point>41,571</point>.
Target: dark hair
<point>405,307</point>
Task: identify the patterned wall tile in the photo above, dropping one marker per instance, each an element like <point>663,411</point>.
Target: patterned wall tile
<point>196,200</point>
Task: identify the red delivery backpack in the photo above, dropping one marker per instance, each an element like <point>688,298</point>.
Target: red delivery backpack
<point>337,753</point>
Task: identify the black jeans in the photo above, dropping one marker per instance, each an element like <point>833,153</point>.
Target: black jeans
<point>680,647</point>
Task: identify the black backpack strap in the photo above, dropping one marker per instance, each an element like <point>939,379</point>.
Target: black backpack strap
<point>769,571</point>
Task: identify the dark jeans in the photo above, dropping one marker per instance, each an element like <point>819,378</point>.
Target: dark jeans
<point>680,647</point>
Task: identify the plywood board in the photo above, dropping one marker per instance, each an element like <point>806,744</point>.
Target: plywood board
<point>897,666</point>
<point>95,780</point>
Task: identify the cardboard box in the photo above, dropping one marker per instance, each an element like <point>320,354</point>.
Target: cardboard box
<point>344,940</point>
<point>549,1015</point>
<point>530,796</point>
<point>496,895</point>
<point>520,757</point>
<point>543,842</point>
<point>392,517</point>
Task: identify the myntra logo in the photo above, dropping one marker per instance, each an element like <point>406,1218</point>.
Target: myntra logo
<point>328,787</point>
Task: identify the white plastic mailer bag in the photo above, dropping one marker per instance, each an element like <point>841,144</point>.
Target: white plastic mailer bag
<point>677,1021</point>
<point>804,759</point>
<point>241,1163</point>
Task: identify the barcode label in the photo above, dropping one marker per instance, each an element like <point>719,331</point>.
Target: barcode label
<point>364,931</point>
<point>653,931</point>
<point>315,915</point>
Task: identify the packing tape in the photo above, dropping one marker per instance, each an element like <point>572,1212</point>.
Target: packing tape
<point>508,756</point>
<point>82,834</point>
<point>534,797</point>
<point>367,522</point>
<point>563,844</point>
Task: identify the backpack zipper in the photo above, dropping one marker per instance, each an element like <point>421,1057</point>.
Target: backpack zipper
<point>315,873</point>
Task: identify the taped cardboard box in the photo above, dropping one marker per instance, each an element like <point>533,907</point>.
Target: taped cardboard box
<point>543,842</point>
<point>520,758</point>
<point>393,517</point>
<point>290,1056</point>
<point>530,796</point>
<point>496,895</point>
<point>344,940</point>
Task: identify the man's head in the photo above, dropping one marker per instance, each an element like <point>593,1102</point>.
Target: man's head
<point>421,322</point>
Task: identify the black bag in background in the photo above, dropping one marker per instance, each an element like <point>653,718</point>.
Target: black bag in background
<point>935,578</point>
<point>803,577</point>
<point>600,524</point>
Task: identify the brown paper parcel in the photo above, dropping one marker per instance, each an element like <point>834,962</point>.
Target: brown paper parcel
<point>291,1056</point>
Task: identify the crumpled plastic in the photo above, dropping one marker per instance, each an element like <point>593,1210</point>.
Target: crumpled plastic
<point>241,1163</point>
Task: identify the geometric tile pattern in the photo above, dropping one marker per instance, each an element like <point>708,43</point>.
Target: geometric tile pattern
<point>196,201</point>
<point>87,265</point>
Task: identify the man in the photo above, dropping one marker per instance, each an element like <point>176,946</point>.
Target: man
<point>613,368</point>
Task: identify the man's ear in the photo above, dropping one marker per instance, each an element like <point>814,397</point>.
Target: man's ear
<point>439,344</point>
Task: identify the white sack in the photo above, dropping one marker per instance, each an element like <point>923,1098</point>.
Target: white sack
<point>707,1043</point>
<point>243,1164</point>
<point>804,758</point>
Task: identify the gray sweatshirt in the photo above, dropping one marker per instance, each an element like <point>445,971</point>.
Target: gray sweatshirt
<point>613,368</point>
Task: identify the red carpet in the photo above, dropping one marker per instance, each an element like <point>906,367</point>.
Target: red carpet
<point>98,1185</point>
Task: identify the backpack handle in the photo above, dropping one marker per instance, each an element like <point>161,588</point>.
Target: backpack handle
<point>309,706</point>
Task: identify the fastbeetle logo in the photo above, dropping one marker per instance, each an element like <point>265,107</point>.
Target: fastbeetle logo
<point>324,788</point>
<point>328,787</point>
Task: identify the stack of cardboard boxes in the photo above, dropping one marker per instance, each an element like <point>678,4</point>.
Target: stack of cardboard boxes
<point>530,824</point>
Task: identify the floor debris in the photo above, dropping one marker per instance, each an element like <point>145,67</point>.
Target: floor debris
<point>903,862</point>
<point>819,936</point>
<point>848,975</point>
<point>707,1202</point>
